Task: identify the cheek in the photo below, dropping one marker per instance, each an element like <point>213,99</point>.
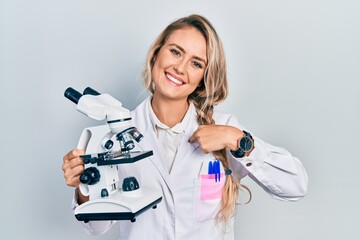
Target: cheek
<point>155,72</point>
<point>197,78</point>
<point>159,67</point>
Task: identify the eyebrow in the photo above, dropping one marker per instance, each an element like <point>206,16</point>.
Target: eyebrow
<point>183,50</point>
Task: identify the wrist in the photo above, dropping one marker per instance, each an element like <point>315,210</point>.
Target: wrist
<point>233,136</point>
<point>80,198</point>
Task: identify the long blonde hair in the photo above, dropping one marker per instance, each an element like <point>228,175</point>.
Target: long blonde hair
<point>212,90</point>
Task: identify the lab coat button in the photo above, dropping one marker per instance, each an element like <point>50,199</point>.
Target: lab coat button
<point>248,164</point>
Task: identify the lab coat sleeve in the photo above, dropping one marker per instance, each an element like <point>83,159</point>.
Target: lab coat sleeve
<point>274,169</point>
<point>92,227</point>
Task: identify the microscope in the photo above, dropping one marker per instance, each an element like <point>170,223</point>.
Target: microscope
<point>108,198</point>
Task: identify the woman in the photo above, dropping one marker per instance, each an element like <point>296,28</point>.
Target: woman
<point>185,72</point>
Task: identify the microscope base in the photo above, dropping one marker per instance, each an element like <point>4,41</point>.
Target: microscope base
<point>119,206</point>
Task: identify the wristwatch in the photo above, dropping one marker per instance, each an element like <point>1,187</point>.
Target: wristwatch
<point>246,144</point>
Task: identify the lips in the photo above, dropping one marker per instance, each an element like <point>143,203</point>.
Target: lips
<point>174,80</point>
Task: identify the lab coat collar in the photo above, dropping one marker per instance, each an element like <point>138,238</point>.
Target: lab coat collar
<point>186,148</point>
<point>144,123</point>
<point>179,127</point>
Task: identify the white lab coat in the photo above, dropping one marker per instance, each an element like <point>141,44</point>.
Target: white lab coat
<point>182,214</point>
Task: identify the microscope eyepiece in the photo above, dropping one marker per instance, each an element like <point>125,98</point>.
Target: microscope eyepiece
<point>90,91</point>
<point>72,95</point>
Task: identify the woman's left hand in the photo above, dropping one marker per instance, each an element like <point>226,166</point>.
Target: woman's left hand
<point>216,137</point>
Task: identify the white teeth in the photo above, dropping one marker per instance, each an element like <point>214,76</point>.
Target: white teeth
<point>174,79</point>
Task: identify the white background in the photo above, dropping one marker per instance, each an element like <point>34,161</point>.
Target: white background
<point>294,74</point>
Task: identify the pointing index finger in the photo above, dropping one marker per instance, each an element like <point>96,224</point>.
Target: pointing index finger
<point>193,137</point>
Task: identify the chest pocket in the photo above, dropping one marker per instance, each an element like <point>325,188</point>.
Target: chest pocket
<point>208,193</point>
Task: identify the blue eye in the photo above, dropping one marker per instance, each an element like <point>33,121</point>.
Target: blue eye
<point>197,64</point>
<point>175,52</point>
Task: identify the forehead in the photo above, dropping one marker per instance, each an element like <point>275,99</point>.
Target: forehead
<point>190,39</point>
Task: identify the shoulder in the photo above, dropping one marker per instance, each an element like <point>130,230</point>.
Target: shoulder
<point>141,114</point>
<point>141,107</point>
<point>223,118</point>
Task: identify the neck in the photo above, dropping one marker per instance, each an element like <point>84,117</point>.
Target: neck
<point>169,112</point>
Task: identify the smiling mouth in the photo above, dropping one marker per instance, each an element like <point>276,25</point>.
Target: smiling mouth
<point>174,80</point>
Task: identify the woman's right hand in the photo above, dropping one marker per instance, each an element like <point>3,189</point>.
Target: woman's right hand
<point>73,167</point>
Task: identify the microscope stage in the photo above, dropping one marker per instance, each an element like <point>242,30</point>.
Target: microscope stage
<point>129,157</point>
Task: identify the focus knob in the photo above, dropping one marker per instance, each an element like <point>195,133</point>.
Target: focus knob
<point>90,176</point>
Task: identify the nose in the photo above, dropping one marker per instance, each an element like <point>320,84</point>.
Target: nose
<point>180,66</point>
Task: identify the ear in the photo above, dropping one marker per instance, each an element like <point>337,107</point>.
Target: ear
<point>153,58</point>
<point>152,62</point>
